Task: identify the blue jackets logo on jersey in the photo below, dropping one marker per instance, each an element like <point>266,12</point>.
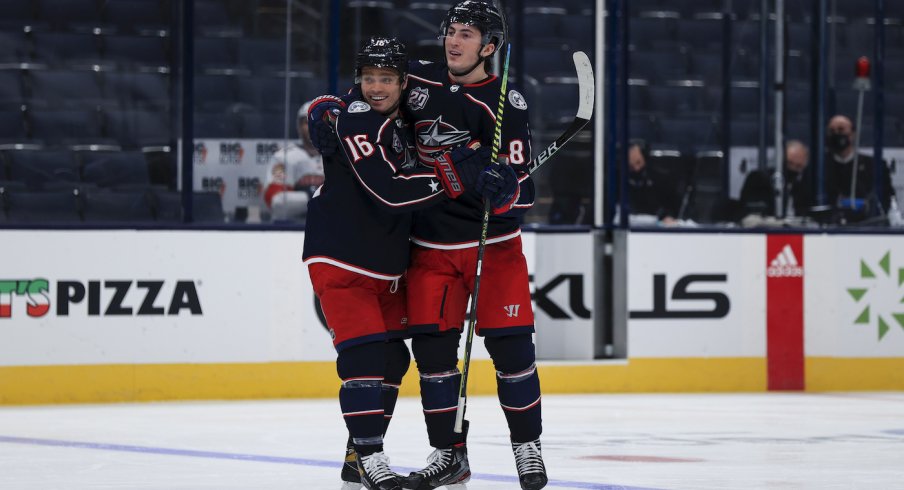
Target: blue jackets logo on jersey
<point>358,106</point>
<point>417,98</point>
<point>436,136</point>
<point>517,100</point>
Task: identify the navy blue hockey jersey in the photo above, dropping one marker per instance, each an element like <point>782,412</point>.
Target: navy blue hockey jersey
<point>445,115</point>
<point>360,219</point>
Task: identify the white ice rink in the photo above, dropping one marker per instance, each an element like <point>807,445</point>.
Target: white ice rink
<point>661,441</point>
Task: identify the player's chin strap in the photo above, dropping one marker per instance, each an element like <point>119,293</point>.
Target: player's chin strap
<point>480,60</point>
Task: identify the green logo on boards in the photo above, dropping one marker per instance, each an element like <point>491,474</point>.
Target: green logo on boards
<point>880,295</point>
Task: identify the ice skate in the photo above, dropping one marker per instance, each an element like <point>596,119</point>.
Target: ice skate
<point>445,468</point>
<point>529,461</point>
<point>376,474</point>
<point>351,479</point>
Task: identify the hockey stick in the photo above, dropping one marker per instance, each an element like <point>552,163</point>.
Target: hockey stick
<point>585,112</point>
<point>481,248</point>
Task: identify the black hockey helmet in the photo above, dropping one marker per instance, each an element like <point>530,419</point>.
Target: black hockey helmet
<point>482,15</point>
<point>382,52</point>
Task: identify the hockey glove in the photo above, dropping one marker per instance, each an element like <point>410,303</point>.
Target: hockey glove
<point>460,168</point>
<point>321,121</point>
<point>499,184</point>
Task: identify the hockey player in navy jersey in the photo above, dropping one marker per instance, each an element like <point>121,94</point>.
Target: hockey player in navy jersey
<point>450,104</point>
<point>447,102</point>
<point>356,249</point>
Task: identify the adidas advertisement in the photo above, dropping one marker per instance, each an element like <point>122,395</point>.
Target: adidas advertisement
<point>784,259</point>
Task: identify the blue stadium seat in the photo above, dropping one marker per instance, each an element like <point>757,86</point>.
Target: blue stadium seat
<point>215,53</point>
<point>691,8</point>
<point>653,33</point>
<point>66,127</point>
<point>891,132</point>
<point>658,66</point>
<point>17,12</point>
<point>267,125</point>
<point>800,37</point>
<point>744,99</point>
<point>72,14</point>
<point>579,30</point>
<point>60,88</point>
<point>135,51</point>
<point>215,93</point>
<point>212,19</point>
<point>700,34</point>
<point>688,133</point>
<point>644,126</point>
<point>543,61</point>
<point>43,207</point>
<point>12,126</point>
<point>796,127</point>
<point>207,207</point>
<point>135,15</point>
<point>217,125</point>
<point>125,169</point>
<point>744,132</point>
<point>543,25</point>
<point>706,66</point>
<point>638,102</point>
<point>10,89</point>
<point>431,12</point>
<point>558,102</point>
<point>14,46</point>
<point>35,168</point>
<point>264,93</point>
<point>138,128</point>
<point>262,55</point>
<point>63,49</point>
<point>138,90</point>
<point>117,206</point>
<point>636,7</point>
<point>675,99</point>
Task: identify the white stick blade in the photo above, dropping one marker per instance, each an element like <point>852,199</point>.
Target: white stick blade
<point>585,83</point>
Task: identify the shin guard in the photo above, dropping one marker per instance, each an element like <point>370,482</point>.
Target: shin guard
<point>439,396</point>
<point>397,360</point>
<point>518,385</point>
<point>360,397</point>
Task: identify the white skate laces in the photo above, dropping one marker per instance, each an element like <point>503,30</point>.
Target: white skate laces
<point>376,466</point>
<point>528,457</point>
<point>438,460</point>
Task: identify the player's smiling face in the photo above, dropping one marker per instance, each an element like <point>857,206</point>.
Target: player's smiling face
<point>382,89</point>
<point>463,47</point>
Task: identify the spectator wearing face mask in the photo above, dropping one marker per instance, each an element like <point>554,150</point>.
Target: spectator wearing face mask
<point>850,183</point>
<point>758,191</point>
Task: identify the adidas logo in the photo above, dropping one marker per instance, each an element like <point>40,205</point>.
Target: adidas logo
<point>785,264</point>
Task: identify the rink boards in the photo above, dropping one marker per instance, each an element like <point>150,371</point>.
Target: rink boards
<point>131,315</point>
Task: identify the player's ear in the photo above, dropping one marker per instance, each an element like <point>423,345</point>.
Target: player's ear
<point>487,50</point>
<point>404,81</point>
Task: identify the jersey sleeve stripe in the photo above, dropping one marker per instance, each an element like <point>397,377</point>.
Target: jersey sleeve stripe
<point>485,107</point>
<point>382,128</point>
<point>424,80</point>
